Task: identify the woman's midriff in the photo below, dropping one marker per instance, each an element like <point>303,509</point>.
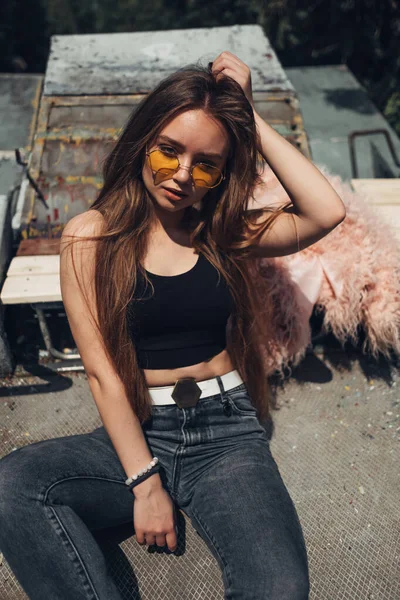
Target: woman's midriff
<point>218,365</point>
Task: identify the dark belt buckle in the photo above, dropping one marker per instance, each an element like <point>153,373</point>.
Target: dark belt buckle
<point>186,392</point>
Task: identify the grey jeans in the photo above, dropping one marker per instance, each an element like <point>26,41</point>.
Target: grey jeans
<point>215,463</point>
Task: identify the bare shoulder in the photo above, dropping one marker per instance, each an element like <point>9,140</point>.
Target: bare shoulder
<point>75,233</point>
<point>77,278</point>
<point>77,249</point>
<point>90,222</point>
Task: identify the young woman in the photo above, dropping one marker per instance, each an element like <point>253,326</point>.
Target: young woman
<point>150,277</point>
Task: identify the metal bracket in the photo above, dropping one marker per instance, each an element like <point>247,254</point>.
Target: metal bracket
<point>354,134</point>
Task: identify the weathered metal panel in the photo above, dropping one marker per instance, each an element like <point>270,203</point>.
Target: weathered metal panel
<point>99,117</point>
<point>126,63</point>
<point>19,104</point>
<point>10,173</point>
<point>334,104</point>
<point>76,158</point>
<point>76,129</point>
<point>66,199</point>
<point>67,158</point>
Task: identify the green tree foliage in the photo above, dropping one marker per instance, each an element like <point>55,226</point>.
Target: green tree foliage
<point>24,36</point>
<point>222,12</point>
<point>364,34</point>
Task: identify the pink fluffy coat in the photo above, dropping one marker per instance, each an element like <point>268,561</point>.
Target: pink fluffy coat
<point>352,273</point>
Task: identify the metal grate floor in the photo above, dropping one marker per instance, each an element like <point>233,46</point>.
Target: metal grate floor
<point>336,442</point>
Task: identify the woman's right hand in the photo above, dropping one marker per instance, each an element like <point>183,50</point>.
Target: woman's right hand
<point>154,517</point>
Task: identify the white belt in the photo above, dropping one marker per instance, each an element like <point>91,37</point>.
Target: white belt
<point>209,387</point>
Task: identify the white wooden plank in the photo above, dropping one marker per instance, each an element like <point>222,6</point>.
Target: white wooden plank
<point>44,264</point>
<point>36,288</point>
<point>384,196</point>
<point>379,191</point>
<point>389,212</point>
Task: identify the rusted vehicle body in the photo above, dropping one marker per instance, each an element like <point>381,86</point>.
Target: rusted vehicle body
<point>91,85</point>
<point>93,82</point>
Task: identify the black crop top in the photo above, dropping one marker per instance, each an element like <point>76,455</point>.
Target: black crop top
<point>184,323</point>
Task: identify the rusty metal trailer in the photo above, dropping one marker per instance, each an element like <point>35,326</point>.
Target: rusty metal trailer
<point>91,85</point>
<point>19,106</point>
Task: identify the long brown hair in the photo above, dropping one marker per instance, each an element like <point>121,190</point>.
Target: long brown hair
<point>223,229</point>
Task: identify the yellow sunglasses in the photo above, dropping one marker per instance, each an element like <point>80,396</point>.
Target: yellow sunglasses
<point>164,165</point>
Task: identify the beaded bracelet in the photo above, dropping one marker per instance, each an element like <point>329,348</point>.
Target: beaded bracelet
<point>143,477</point>
<point>143,474</point>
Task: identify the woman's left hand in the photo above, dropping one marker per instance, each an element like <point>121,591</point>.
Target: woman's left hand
<point>229,64</point>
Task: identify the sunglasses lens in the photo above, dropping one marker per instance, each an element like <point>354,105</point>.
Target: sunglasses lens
<point>162,175</point>
<point>206,176</point>
<point>160,161</point>
<point>164,166</point>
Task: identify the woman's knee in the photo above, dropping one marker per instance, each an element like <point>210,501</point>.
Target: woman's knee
<point>261,583</point>
<point>10,478</point>
<point>19,473</point>
<point>290,576</point>
<point>294,586</point>
<point>258,573</point>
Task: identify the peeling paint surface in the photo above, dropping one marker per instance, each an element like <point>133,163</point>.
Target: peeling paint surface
<point>94,82</point>
<point>124,63</point>
<point>19,105</point>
